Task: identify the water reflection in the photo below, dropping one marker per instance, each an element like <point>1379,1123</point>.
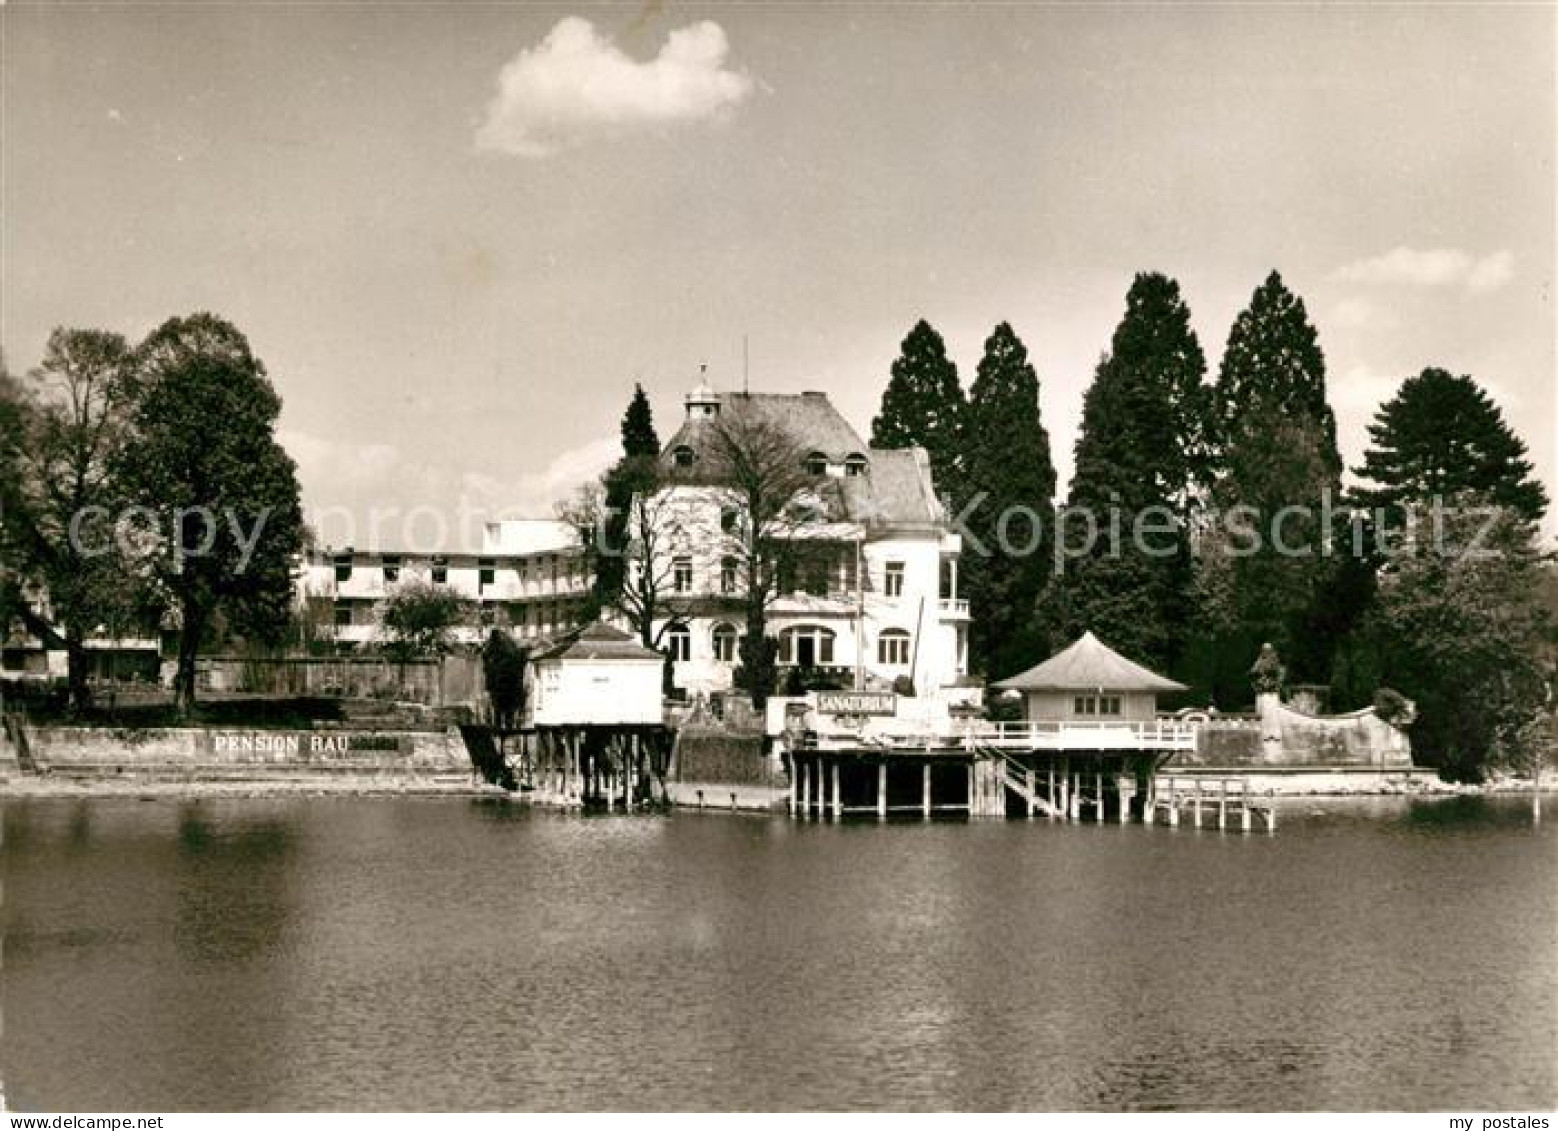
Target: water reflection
<point>474,953</point>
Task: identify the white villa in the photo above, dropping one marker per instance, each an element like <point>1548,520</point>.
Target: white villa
<point>872,597</point>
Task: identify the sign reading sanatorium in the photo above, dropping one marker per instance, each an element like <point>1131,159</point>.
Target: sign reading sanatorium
<point>857,703</point>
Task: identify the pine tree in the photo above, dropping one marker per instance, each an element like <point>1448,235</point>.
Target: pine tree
<point>1008,507</point>
<point>1140,463</point>
<point>923,405</point>
<point>1275,449</point>
<point>1442,435</point>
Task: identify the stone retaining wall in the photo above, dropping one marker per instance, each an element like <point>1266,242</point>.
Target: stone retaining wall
<point>194,749</point>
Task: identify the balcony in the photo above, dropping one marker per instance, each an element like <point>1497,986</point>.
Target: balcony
<point>952,608</point>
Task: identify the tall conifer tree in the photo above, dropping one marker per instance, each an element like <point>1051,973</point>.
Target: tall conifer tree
<point>636,473</point>
<point>1140,464</point>
<point>1265,568</point>
<point>923,406</point>
<point>1009,493</point>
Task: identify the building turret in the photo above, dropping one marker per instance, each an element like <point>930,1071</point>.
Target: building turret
<point>703,401</point>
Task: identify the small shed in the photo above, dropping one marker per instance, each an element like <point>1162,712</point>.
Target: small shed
<point>603,676</point>
<point>1089,681</point>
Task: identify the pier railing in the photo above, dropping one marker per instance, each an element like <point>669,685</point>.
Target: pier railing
<point>977,735</point>
<point>1153,734</point>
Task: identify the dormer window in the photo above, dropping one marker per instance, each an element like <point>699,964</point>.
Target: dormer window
<point>683,456</point>
<point>816,464</point>
<point>855,466</point>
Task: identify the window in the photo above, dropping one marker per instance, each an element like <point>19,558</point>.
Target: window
<point>855,466</point>
<point>678,643</point>
<point>1096,705</point>
<point>681,573</point>
<point>892,584</point>
<point>391,568</point>
<point>1109,705</point>
<point>729,519</point>
<point>806,646</point>
<point>724,638</point>
<point>486,571</point>
<point>343,568</point>
<point>343,614</point>
<point>816,464</point>
<point>728,571</point>
<point>683,456</point>
<point>892,647</point>
<point>440,571</point>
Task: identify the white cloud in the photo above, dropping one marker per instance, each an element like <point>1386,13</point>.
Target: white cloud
<point>1433,267</point>
<point>1354,312</point>
<point>1492,273</point>
<point>576,84</point>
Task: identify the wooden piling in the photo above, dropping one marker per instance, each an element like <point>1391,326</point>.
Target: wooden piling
<point>1098,782</point>
<point>925,792</point>
<point>1033,785</point>
<point>838,796</point>
<point>881,791</point>
<point>1197,804</point>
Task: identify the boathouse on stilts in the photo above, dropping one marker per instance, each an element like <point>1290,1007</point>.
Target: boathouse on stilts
<point>1090,741</point>
<point>1088,748</point>
<point>598,735</point>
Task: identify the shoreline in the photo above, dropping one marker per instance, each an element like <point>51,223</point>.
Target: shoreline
<point>67,786</point>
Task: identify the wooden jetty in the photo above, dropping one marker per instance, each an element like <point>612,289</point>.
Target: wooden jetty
<point>1200,799</point>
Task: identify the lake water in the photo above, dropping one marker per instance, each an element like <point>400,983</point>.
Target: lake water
<point>470,953</point>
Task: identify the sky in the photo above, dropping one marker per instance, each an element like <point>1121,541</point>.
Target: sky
<point>457,234</point>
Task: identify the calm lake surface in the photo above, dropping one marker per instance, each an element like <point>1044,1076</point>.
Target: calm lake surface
<point>468,953</point>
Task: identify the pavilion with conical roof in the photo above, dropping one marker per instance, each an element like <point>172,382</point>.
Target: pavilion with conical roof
<point>1089,680</point>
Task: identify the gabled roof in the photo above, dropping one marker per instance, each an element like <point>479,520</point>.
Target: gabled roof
<point>1088,665</point>
<point>599,641</point>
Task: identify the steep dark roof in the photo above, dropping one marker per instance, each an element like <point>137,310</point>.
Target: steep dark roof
<point>809,417</point>
<point>599,641</point>
<point>1088,665</point>
<point>894,491</point>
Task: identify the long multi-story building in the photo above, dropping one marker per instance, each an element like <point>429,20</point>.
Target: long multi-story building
<point>525,575</point>
<point>867,594</point>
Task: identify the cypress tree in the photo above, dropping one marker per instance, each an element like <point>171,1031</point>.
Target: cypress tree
<point>1008,512</point>
<point>638,428</point>
<point>923,405</point>
<point>634,473</point>
<point>1442,435</point>
<point>1140,462</point>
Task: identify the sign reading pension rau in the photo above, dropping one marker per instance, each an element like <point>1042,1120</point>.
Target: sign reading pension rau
<point>857,703</point>
<point>300,743</point>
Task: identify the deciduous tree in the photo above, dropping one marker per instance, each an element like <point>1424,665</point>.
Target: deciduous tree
<point>202,461</point>
<point>64,499</point>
